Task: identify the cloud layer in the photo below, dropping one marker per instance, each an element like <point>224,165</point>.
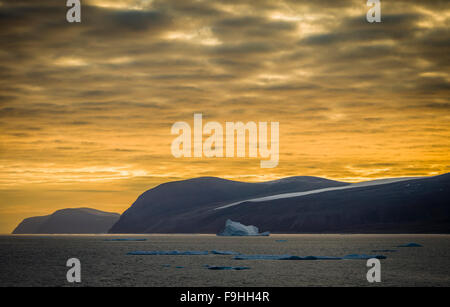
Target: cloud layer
<point>90,105</point>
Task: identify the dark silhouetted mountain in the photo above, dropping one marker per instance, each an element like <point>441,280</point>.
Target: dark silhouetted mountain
<point>413,206</point>
<point>30,225</point>
<point>171,207</point>
<point>69,221</point>
<point>409,206</point>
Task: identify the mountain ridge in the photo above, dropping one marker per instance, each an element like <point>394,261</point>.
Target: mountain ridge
<point>69,221</point>
<point>186,197</point>
<point>412,206</point>
<point>192,212</point>
<point>297,204</point>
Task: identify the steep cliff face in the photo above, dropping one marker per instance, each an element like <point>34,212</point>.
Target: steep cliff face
<point>175,206</point>
<point>413,206</point>
<point>386,206</point>
<point>202,205</point>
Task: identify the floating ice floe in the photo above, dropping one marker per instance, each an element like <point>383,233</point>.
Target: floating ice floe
<point>168,266</point>
<point>291,257</point>
<point>123,239</point>
<point>237,229</point>
<point>260,257</point>
<point>312,258</point>
<point>216,252</point>
<point>283,257</point>
<point>384,250</point>
<point>223,268</point>
<point>362,256</point>
<point>168,253</point>
<point>410,245</point>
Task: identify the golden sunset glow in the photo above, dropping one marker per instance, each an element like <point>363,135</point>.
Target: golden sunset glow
<point>86,109</point>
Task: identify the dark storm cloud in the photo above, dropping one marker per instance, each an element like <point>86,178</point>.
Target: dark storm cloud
<point>357,29</point>
<point>251,27</point>
<point>249,43</point>
<point>289,87</point>
<point>203,9</point>
<point>131,68</point>
<point>18,112</point>
<point>435,106</point>
<point>114,24</point>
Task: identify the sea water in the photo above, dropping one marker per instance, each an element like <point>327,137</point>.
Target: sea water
<point>40,260</point>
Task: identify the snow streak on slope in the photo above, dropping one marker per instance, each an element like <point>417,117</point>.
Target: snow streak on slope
<point>296,194</point>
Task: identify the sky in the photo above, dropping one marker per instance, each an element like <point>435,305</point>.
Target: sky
<point>86,108</point>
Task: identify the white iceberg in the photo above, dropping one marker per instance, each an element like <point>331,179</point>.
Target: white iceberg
<point>237,229</point>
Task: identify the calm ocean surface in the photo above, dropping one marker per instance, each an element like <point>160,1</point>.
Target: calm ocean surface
<point>40,260</point>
